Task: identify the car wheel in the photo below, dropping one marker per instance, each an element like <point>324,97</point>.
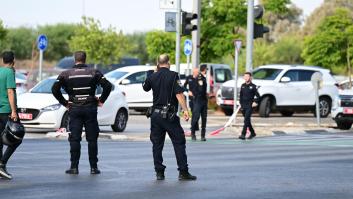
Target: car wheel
<point>65,122</point>
<point>344,125</point>
<point>287,113</point>
<point>265,107</point>
<point>120,121</point>
<point>228,112</point>
<point>325,107</point>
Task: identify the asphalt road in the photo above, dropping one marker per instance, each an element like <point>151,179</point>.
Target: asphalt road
<point>309,166</point>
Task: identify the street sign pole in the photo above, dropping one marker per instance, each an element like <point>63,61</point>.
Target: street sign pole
<point>40,65</point>
<point>188,49</point>
<point>316,80</point>
<point>237,45</point>
<point>177,48</point>
<point>250,36</point>
<point>317,103</point>
<point>42,43</point>
<point>187,74</point>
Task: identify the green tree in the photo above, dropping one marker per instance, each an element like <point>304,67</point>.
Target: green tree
<point>3,33</point>
<point>103,46</point>
<point>159,42</point>
<point>22,41</point>
<point>328,47</point>
<point>58,39</point>
<point>138,48</point>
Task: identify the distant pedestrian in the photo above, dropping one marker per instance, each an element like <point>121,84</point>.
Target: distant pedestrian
<point>189,83</point>
<point>249,98</point>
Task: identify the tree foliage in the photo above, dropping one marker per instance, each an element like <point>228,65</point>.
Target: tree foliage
<point>22,41</point>
<point>329,46</point>
<point>3,33</point>
<point>138,47</point>
<point>103,46</point>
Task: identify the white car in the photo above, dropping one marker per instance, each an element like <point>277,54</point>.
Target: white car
<point>21,83</point>
<point>130,79</point>
<point>40,111</point>
<point>342,109</point>
<point>285,88</point>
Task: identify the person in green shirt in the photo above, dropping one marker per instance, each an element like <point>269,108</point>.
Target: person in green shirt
<point>7,106</point>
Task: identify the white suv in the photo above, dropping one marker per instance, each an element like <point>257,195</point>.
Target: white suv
<point>285,88</point>
<point>342,109</point>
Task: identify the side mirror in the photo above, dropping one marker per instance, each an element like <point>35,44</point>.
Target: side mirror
<point>125,82</point>
<point>285,79</point>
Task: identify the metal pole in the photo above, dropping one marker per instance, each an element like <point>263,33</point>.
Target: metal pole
<point>177,49</point>
<point>195,59</point>
<point>187,74</point>
<point>235,81</point>
<point>317,103</point>
<point>250,36</point>
<point>40,65</point>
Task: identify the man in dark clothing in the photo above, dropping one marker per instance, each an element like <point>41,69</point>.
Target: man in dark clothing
<point>199,91</point>
<point>8,107</point>
<point>167,92</point>
<point>81,83</point>
<point>189,83</point>
<point>247,100</point>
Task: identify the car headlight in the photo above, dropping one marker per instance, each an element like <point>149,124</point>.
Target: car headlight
<point>51,107</point>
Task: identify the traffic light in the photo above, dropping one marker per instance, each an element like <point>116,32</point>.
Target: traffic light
<point>260,30</point>
<point>187,27</point>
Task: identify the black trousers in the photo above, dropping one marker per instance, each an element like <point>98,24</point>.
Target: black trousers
<point>4,157</point>
<point>200,110</point>
<point>247,111</point>
<point>159,127</point>
<point>83,117</point>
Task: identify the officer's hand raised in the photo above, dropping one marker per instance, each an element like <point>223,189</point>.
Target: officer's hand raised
<point>186,115</point>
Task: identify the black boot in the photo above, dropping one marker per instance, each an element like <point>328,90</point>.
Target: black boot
<point>3,172</point>
<point>160,175</point>
<point>203,135</point>
<point>73,170</point>
<point>95,171</point>
<point>185,175</point>
<point>242,137</point>
<point>193,136</point>
<point>252,136</point>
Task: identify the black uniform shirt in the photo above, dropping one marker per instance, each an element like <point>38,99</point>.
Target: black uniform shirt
<point>165,85</point>
<point>80,83</point>
<point>199,88</point>
<point>247,95</point>
<point>189,82</point>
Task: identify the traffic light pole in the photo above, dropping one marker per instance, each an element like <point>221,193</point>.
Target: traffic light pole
<point>177,48</point>
<point>195,59</point>
<point>250,36</point>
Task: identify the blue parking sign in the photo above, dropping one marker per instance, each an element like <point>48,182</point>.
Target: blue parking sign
<point>42,42</point>
<point>188,47</point>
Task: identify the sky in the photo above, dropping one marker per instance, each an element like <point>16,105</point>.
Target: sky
<point>126,15</point>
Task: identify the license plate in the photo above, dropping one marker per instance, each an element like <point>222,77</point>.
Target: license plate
<point>229,102</point>
<point>348,110</point>
<point>25,116</point>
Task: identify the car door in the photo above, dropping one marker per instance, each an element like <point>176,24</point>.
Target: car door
<point>108,111</point>
<point>134,92</point>
<point>306,87</point>
<point>287,91</point>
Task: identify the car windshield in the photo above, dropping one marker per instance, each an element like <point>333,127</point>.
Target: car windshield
<point>21,76</point>
<point>266,73</point>
<point>45,86</point>
<point>115,74</point>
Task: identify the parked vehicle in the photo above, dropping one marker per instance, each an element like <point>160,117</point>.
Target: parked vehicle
<point>217,74</point>
<point>40,111</point>
<point>342,109</point>
<point>21,83</point>
<point>130,79</point>
<point>284,88</point>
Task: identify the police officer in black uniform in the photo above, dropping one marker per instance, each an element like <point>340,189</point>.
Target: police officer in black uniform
<point>167,92</point>
<point>199,91</point>
<point>80,83</point>
<point>247,100</point>
<point>189,83</point>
